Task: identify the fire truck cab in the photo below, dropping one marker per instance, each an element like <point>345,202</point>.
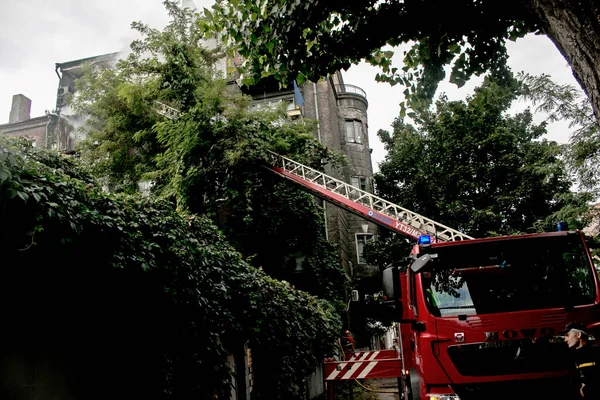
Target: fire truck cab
<point>480,318</point>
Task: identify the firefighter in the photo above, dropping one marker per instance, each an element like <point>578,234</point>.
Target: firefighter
<point>587,360</point>
<point>347,342</point>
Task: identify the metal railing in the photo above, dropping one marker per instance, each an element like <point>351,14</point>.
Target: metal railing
<point>167,111</point>
<point>350,89</point>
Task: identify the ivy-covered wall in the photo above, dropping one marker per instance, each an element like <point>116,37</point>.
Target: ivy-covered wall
<point>114,296</point>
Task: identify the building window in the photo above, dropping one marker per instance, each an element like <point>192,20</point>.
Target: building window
<point>361,240</point>
<point>359,182</point>
<point>354,132</point>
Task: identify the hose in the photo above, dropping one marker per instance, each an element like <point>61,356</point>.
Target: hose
<point>373,390</point>
<point>339,342</point>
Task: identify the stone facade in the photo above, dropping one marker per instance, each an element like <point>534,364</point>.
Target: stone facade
<point>341,112</point>
<point>68,73</point>
<point>339,107</point>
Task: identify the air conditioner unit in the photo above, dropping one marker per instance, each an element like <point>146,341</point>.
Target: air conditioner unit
<point>61,101</point>
<point>63,90</point>
<point>61,96</point>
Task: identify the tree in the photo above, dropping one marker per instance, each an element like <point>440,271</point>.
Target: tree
<point>310,39</point>
<point>563,102</point>
<point>209,159</point>
<point>470,166</point>
<point>126,291</point>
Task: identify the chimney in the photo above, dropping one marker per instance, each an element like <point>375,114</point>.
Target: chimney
<point>21,107</point>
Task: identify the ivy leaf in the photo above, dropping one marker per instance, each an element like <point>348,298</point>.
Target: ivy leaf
<point>4,175</point>
<point>23,196</point>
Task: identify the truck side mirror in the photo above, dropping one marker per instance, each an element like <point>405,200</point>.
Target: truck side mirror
<point>420,262</point>
<point>392,292</point>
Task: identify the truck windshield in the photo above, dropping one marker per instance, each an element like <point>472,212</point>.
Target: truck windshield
<point>509,275</point>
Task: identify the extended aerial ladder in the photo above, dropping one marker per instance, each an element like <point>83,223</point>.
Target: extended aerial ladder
<point>362,203</point>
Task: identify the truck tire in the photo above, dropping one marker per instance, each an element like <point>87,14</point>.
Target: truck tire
<point>413,388</point>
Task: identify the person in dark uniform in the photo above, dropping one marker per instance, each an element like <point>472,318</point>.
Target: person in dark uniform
<point>587,360</point>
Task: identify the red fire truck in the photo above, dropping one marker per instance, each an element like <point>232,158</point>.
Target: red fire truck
<point>479,318</point>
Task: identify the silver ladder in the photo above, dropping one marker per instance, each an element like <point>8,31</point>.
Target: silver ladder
<point>400,219</point>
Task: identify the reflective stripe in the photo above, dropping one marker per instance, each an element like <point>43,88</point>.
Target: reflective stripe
<point>590,364</point>
<point>336,371</point>
<point>366,371</point>
<point>352,369</point>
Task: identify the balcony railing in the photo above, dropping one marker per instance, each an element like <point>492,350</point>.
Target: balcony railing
<point>350,89</point>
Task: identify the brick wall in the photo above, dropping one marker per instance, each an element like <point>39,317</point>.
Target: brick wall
<point>33,129</point>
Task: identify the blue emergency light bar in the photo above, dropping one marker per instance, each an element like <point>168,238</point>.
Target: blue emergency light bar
<point>562,226</point>
<point>424,239</point>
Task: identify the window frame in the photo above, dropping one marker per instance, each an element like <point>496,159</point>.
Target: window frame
<point>359,257</point>
<point>360,179</point>
<point>351,136</point>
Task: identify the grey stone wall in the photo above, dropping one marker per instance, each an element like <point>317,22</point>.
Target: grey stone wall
<point>354,107</point>
<point>331,105</point>
<point>316,384</point>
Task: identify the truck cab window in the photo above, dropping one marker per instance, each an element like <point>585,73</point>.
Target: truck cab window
<point>523,275</point>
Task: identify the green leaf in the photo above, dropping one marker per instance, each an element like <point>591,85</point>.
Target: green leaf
<point>23,196</point>
<point>4,175</point>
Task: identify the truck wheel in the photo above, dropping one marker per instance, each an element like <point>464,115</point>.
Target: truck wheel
<point>413,389</point>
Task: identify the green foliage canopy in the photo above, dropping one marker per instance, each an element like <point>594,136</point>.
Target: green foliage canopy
<point>471,166</point>
<point>311,39</point>
<point>165,297</point>
<point>195,297</point>
<point>209,159</point>
<point>565,103</point>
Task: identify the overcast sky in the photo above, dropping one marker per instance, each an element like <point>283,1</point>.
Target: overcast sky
<point>36,34</point>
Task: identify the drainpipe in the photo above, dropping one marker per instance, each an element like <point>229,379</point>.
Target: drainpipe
<point>319,138</point>
<point>317,111</point>
<point>47,125</point>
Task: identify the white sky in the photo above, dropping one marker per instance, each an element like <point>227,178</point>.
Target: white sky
<point>36,34</point>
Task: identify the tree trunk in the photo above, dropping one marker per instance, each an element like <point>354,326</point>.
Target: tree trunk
<point>574,27</point>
